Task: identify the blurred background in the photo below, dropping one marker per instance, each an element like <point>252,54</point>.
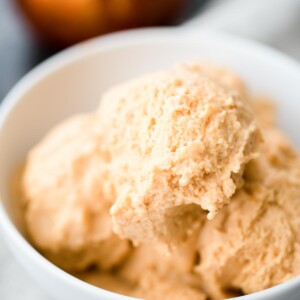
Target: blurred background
<point>32,30</point>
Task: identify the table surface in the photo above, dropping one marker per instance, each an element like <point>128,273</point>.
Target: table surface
<point>19,52</point>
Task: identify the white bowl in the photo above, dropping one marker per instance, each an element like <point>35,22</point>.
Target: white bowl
<point>73,81</point>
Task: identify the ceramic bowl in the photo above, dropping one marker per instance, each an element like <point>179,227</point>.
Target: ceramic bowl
<point>73,80</point>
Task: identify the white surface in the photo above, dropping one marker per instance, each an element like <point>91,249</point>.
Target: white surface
<point>73,81</point>
<point>15,284</point>
<point>256,19</point>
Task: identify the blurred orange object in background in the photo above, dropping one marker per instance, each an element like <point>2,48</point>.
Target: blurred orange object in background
<point>64,22</point>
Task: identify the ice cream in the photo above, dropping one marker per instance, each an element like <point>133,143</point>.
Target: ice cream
<point>66,214</point>
<point>108,281</point>
<point>223,76</point>
<point>150,274</point>
<point>177,140</point>
<point>253,243</point>
<point>107,189</point>
<point>153,286</point>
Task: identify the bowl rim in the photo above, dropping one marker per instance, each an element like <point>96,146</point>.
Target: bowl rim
<point>105,43</point>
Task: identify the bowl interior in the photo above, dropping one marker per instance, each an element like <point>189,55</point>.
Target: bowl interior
<point>74,80</point>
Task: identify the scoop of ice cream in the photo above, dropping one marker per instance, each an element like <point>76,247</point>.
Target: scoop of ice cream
<point>67,217</point>
<point>254,242</point>
<point>174,139</point>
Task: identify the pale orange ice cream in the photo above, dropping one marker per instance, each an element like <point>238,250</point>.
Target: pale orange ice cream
<point>108,281</point>
<point>154,286</point>
<point>176,140</point>
<point>254,242</point>
<point>179,263</point>
<point>221,75</point>
<point>66,215</point>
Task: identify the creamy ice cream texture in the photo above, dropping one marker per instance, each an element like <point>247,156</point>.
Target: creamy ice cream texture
<point>66,214</point>
<point>160,152</point>
<point>175,139</point>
